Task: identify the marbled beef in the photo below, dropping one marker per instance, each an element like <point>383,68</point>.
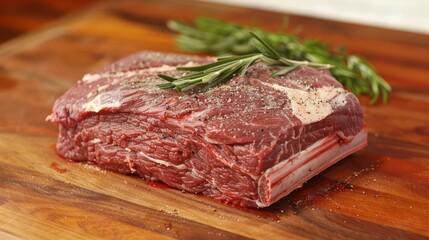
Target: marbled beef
<point>248,142</point>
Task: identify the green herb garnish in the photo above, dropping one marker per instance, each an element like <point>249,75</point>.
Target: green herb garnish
<point>225,68</point>
<point>252,45</point>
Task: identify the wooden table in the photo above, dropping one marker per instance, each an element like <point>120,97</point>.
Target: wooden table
<point>381,192</point>
<point>21,16</point>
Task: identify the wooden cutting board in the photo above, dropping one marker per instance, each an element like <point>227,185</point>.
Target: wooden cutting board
<point>381,192</point>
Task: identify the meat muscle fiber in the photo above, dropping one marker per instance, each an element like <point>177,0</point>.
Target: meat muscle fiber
<point>248,142</point>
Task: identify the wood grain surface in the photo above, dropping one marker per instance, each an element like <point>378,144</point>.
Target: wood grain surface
<point>381,192</point>
<point>21,16</point>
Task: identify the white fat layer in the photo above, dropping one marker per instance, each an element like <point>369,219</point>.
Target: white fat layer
<point>91,77</point>
<point>340,100</point>
<point>290,174</point>
<point>97,104</point>
<point>94,141</point>
<point>312,105</point>
<point>49,117</point>
<point>164,68</point>
<point>101,88</point>
<point>128,160</point>
<point>162,162</point>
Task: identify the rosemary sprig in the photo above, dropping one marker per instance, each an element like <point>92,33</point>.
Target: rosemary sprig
<point>218,37</point>
<point>225,68</point>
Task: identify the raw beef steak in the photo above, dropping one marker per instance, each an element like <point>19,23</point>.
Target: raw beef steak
<point>248,142</point>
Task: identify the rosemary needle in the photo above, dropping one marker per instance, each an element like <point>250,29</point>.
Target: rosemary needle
<point>225,68</point>
<point>210,35</point>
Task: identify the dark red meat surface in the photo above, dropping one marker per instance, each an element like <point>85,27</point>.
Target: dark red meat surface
<point>245,142</point>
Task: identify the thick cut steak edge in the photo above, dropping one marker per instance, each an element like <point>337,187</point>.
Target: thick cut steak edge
<point>287,176</point>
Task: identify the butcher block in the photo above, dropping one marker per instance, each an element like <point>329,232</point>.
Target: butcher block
<point>380,192</point>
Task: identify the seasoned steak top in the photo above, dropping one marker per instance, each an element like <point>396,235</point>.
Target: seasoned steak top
<point>248,117</point>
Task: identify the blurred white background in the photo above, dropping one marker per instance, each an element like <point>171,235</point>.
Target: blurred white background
<point>408,15</point>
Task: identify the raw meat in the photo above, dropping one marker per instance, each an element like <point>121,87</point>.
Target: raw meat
<point>248,142</point>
